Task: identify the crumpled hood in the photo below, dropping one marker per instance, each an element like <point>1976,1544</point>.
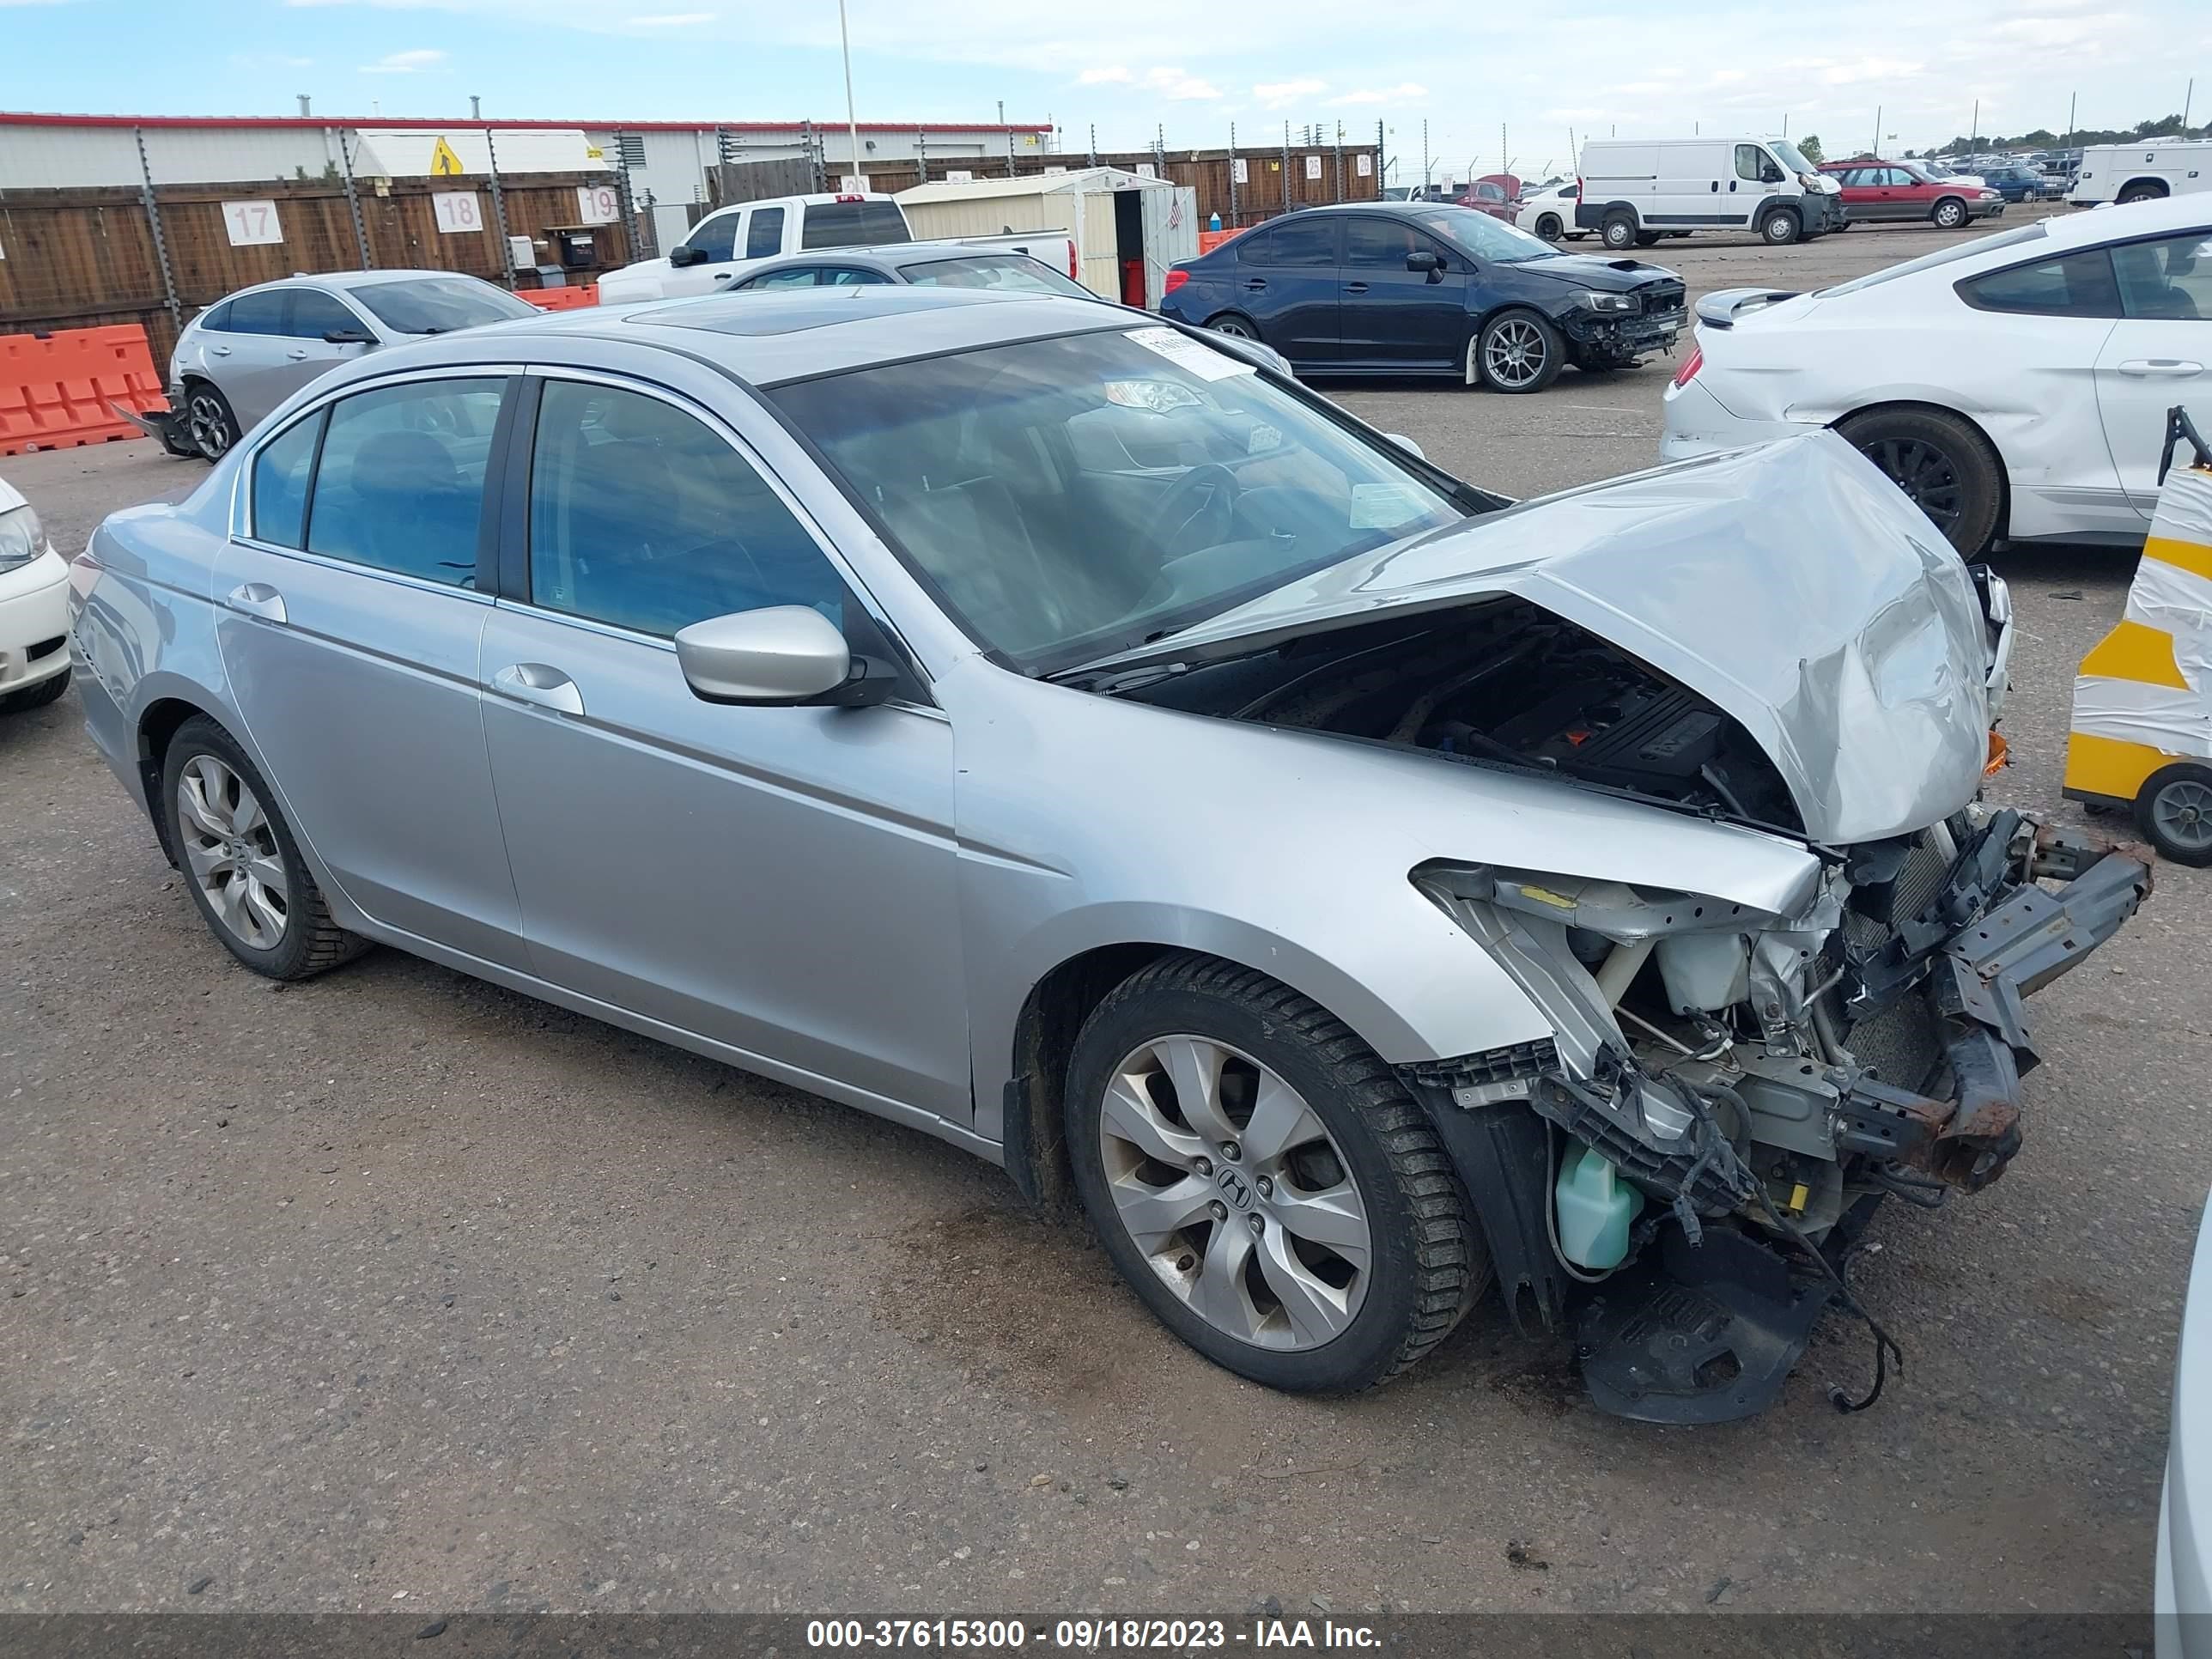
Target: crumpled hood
<point>1588,271</point>
<point>1792,586</point>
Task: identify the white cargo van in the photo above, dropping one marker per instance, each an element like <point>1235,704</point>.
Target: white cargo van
<point>2141,172</point>
<point>722,244</point>
<point>1636,191</point>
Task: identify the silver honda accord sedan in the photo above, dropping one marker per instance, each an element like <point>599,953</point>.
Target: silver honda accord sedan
<point>1042,728</point>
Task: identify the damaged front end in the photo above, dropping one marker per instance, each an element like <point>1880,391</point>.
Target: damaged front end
<point>1762,1081</point>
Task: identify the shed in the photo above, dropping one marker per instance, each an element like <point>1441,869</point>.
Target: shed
<point>1128,229</point>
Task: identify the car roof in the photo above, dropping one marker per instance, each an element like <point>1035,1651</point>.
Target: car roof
<point>347,279</point>
<point>884,256</point>
<point>776,336</point>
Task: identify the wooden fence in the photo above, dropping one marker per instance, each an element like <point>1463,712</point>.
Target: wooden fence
<point>80,258</point>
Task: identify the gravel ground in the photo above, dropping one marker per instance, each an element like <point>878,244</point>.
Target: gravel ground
<point>396,1290</point>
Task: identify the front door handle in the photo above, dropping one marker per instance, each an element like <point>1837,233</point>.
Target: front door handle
<point>298,354</point>
<point>1355,288</point>
<point>2171,368</point>
<point>539,683</point>
<point>257,599</point>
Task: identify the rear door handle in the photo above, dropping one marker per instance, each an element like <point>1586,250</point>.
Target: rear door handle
<point>2172,368</point>
<point>539,683</point>
<point>1355,288</point>
<point>257,599</point>
<point>1254,284</point>
<point>218,351</point>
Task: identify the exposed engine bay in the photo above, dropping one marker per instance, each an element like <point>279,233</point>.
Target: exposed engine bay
<point>1683,1171</point>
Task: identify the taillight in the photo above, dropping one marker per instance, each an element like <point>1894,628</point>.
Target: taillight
<point>1074,265</point>
<point>1691,365</point>
<point>1175,280</point>
<point>851,198</point>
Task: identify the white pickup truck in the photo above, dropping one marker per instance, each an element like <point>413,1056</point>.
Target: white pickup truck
<point>720,247</point>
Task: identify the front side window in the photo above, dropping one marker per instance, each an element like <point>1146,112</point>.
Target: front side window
<point>1380,244</point>
<point>400,485</point>
<point>439,305</point>
<point>715,236</point>
<point>798,277</point>
<point>2076,285</point>
<point>1070,497</point>
<point>314,313</point>
<point>764,234</point>
<point>642,516</point>
<point>280,484</point>
<point>1749,160</point>
<point>2170,278</point>
<point>1484,237</point>
<point>851,277</point>
<point>1005,273</point>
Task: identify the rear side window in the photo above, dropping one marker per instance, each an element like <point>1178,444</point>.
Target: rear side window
<point>644,517</point>
<point>1295,242</point>
<point>257,314</point>
<point>764,234</point>
<point>715,236</point>
<point>882,222</point>
<point>280,484</point>
<point>2077,285</point>
<point>832,224</point>
<point>852,277</point>
<point>803,276</point>
<point>217,318</point>
<point>400,485</point>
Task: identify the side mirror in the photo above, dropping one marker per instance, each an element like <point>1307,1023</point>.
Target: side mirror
<point>348,337</point>
<point>1423,260</point>
<point>782,656</point>
<point>1769,174</point>
<point>1407,445</point>
<point>682,255</point>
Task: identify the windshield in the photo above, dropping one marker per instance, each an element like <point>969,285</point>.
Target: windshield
<point>1940,257</point>
<point>1484,237</point>
<point>1790,155</point>
<point>1003,273</point>
<point>439,305</point>
<point>1073,497</point>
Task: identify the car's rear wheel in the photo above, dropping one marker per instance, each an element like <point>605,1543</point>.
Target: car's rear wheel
<point>1619,231</point>
<point>1237,327</point>
<point>1942,465</point>
<point>1549,228</point>
<point>1648,238</point>
<point>1779,228</point>
<point>34,696</point>
<point>1262,1182</point>
<point>1950,213</point>
<point>2174,810</point>
<point>208,419</point>
<point>2145,190</point>
<point>240,863</point>
<point>1518,351</point>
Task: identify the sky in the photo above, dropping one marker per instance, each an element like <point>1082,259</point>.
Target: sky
<point>1658,68</point>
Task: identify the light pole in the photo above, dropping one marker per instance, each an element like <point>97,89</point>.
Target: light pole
<point>852,122</point>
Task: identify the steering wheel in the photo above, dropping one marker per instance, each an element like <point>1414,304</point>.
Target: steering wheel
<point>1179,509</point>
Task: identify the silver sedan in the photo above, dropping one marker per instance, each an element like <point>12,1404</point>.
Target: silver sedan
<point>1048,730</point>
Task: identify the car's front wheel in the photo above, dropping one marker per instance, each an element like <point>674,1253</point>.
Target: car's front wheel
<point>208,421</point>
<point>1950,214</point>
<point>240,862</point>
<point>1619,232</point>
<point>1518,351</point>
<point>1262,1181</point>
<point>1779,228</point>
<point>1943,465</point>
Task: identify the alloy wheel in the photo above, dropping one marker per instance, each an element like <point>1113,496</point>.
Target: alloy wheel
<point>1928,476</point>
<point>208,424</point>
<point>1235,1192</point>
<point>1514,354</point>
<point>1950,215</point>
<point>1234,327</point>
<point>2183,811</point>
<point>231,847</point>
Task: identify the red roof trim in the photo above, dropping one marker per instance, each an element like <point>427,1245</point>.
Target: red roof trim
<point>28,118</point>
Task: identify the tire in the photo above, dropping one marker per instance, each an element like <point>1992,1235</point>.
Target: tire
<point>1424,1263</point>
<point>2173,809</point>
<point>1949,214</point>
<point>1549,228</point>
<point>1619,231</point>
<point>307,942</point>
<point>208,421</point>
<point>1649,238</point>
<point>2147,191</point>
<point>1519,351</point>
<point>36,696</point>
<point>1779,228</point>
<point>1236,327</point>
<point>1942,462</point>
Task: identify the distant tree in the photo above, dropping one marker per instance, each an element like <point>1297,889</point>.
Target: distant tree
<point>1810,143</point>
<point>2169,126</point>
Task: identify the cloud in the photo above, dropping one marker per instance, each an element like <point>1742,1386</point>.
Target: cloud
<point>1276,94</point>
<point>1177,85</point>
<point>1406,92</point>
<point>404,63</point>
<point>673,20</point>
<point>1110,74</point>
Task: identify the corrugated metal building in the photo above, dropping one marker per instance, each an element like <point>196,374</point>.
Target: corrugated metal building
<point>666,161</point>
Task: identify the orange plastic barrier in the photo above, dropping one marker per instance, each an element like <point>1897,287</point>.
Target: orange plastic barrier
<point>55,388</point>
<point>560,298</point>
<point>1210,239</point>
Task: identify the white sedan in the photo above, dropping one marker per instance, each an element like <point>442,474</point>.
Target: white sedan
<point>1550,213</point>
<point>34,654</point>
<point>2181,1597</point>
<point>2016,386</point>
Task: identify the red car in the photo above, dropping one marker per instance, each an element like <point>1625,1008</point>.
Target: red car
<point>1875,190</point>
<point>1495,194</point>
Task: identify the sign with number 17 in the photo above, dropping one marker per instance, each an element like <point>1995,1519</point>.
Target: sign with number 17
<point>251,224</point>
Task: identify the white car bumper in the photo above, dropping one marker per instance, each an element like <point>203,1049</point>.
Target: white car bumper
<point>33,622</point>
<point>1697,424</point>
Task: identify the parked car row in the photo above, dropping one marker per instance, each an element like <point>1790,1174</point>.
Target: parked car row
<point>1877,192</point>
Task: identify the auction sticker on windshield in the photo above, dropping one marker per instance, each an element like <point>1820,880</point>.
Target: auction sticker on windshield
<point>1200,358</point>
